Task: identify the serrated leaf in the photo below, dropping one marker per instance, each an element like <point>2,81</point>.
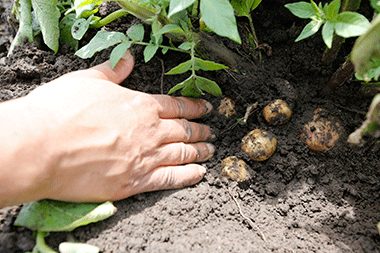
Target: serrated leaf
<point>332,10</point>
<point>178,6</point>
<point>48,16</point>
<point>310,29</point>
<point>118,52</point>
<point>65,31</point>
<point>52,215</point>
<point>136,32</point>
<point>328,33</point>
<point>79,28</point>
<point>181,85</point>
<point>101,40</point>
<point>351,24</point>
<point>208,86</point>
<point>150,51</point>
<point>72,247</point>
<point>208,65</point>
<point>219,16</point>
<point>302,9</point>
<point>181,68</point>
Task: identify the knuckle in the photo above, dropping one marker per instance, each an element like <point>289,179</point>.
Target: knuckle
<point>179,106</point>
<point>186,154</point>
<point>188,129</point>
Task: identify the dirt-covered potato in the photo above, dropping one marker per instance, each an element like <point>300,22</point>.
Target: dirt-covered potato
<point>234,168</point>
<point>259,144</point>
<point>322,133</point>
<point>277,112</point>
<point>227,107</point>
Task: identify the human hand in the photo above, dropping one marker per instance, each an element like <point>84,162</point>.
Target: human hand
<point>106,142</point>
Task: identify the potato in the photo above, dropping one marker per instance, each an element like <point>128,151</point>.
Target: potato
<point>259,144</point>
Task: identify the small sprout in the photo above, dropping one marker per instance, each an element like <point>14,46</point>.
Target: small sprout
<point>234,168</point>
<point>227,107</point>
<point>277,112</point>
<point>259,144</point>
<point>322,133</point>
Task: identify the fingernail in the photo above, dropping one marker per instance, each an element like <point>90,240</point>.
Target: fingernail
<point>202,170</point>
<point>211,150</point>
<point>213,135</point>
<point>127,55</point>
<point>208,107</point>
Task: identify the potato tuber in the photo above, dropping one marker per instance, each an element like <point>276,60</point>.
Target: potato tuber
<point>234,168</point>
<point>277,112</point>
<point>259,144</point>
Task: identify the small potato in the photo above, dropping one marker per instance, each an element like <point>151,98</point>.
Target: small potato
<point>259,144</point>
<point>322,133</point>
<point>277,112</point>
<point>234,168</point>
<point>227,107</point>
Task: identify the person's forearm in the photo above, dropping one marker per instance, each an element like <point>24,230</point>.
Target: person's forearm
<point>23,155</point>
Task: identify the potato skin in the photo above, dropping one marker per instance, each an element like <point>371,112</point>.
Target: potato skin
<point>234,168</point>
<point>277,112</point>
<point>259,144</point>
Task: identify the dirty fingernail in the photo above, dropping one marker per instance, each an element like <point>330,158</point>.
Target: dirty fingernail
<point>208,107</point>
<point>213,135</point>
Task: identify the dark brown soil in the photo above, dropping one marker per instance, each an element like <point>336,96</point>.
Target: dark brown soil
<point>297,201</point>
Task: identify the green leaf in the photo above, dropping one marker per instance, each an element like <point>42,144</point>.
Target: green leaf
<point>332,10</point>
<point>80,28</point>
<point>171,28</point>
<point>208,65</point>
<point>181,85</point>
<point>241,7</point>
<point>218,15</point>
<point>150,51</point>
<point>101,40</point>
<point>118,52</point>
<point>136,32</point>
<point>83,9</point>
<point>52,215</point>
<point>208,86</point>
<point>65,31</point>
<point>376,5</point>
<point>178,6</point>
<point>72,247</point>
<point>302,9</point>
<point>310,29</point>
<point>328,33</point>
<point>48,15</point>
<point>191,90</point>
<point>254,4</point>
<point>185,46</point>
<point>181,68</point>
<point>351,24</point>
<point>366,48</point>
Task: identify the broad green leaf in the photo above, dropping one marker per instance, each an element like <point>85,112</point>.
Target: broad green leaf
<point>52,215</point>
<point>310,29</point>
<point>191,90</point>
<point>79,28</point>
<point>351,24</point>
<point>181,68</point>
<point>328,33</point>
<point>302,9</point>
<point>185,46</point>
<point>150,51</point>
<point>178,6</point>
<point>65,31</point>
<point>84,9</point>
<point>118,52</point>
<point>48,16</point>
<point>332,10</point>
<point>171,28</point>
<point>76,247</point>
<point>218,15</point>
<point>101,40</point>
<point>366,47</point>
<point>181,85</point>
<point>136,32</point>
<point>208,65</point>
<point>208,86</point>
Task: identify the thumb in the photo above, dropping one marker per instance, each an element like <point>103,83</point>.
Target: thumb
<point>117,74</point>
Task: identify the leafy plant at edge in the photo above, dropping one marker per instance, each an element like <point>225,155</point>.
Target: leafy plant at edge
<point>47,216</point>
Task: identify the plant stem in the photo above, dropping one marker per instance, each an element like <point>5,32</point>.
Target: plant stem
<point>160,46</point>
<point>330,53</point>
<point>25,27</point>
<point>111,17</point>
<point>41,245</point>
<point>341,75</point>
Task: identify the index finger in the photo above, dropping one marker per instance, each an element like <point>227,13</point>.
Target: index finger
<point>180,107</point>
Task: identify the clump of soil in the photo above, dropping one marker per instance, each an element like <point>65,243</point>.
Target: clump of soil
<point>296,201</point>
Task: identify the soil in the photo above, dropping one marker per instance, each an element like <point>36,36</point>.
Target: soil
<point>296,201</point>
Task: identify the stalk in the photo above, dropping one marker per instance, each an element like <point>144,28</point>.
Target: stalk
<point>343,73</point>
<point>111,17</point>
<point>330,53</point>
